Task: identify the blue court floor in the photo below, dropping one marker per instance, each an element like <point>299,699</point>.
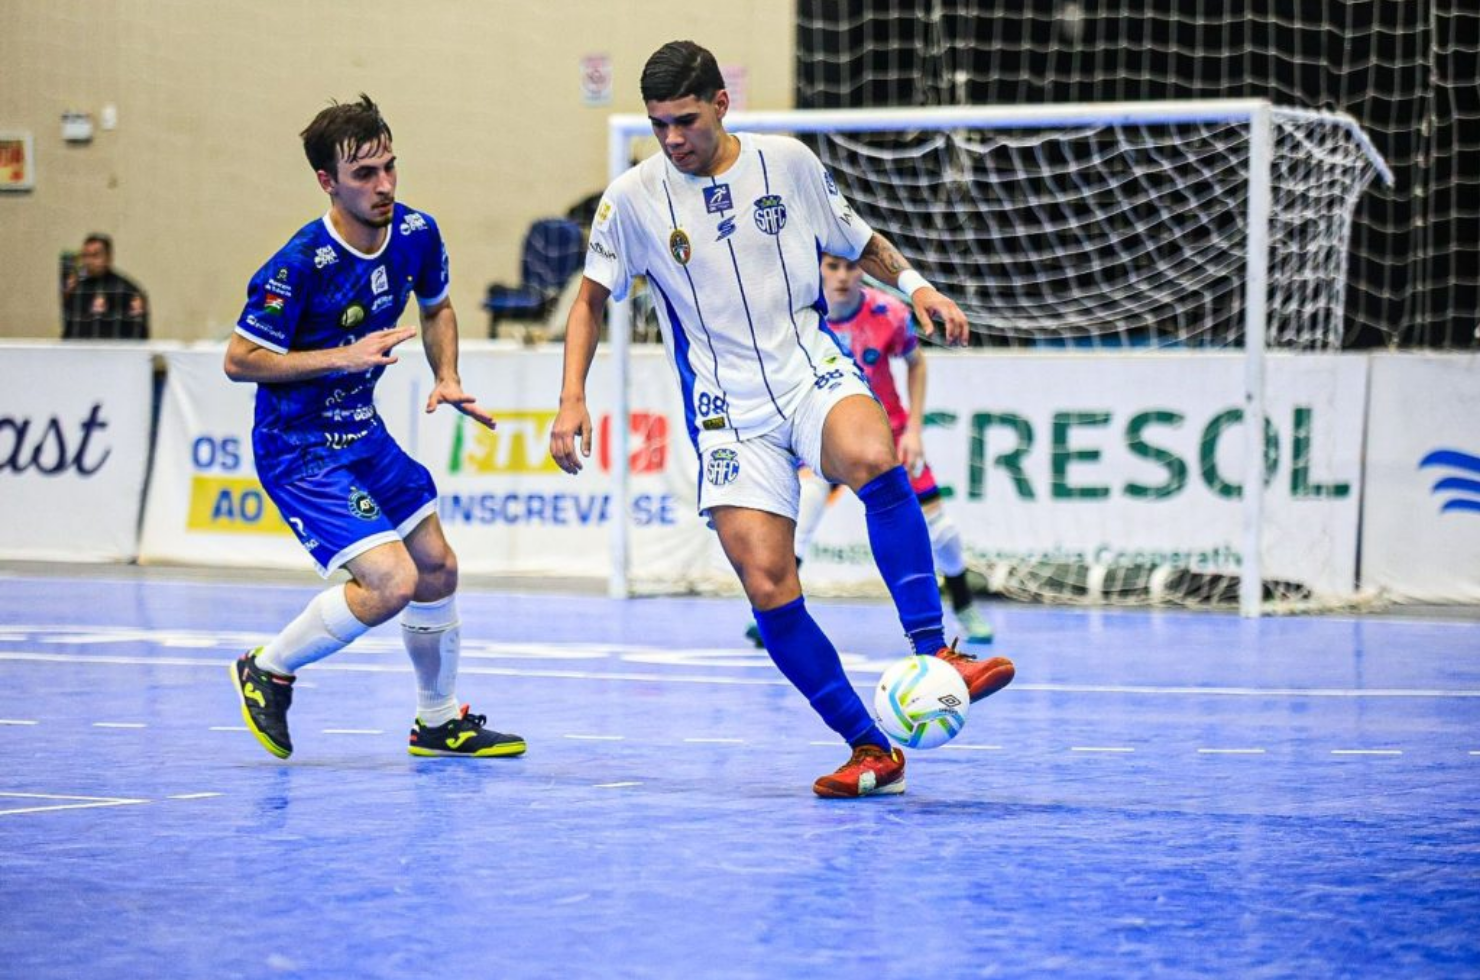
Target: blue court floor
<point>1159,794</point>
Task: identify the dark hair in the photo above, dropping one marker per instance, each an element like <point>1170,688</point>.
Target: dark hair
<point>102,240</point>
<point>348,130</point>
<point>679,69</point>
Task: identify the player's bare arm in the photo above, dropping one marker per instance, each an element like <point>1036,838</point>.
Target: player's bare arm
<point>884,262</point>
<point>911,442</point>
<point>439,337</point>
<point>582,330</point>
<point>246,361</point>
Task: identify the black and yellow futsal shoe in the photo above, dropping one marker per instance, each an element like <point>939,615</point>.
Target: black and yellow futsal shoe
<point>266,698</point>
<point>464,735</point>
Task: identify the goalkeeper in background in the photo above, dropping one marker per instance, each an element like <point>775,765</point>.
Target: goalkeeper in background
<point>876,327</point>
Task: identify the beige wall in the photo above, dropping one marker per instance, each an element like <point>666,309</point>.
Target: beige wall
<point>204,176</point>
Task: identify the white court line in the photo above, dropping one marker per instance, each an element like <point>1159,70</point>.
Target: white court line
<point>16,721</point>
<point>613,785</point>
<point>192,796</point>
<point>972,748</point>
<point>90,802</point>
<point>655,677</point>
<point>353,731</point>
<point>716,741</point>
<point>1231,751</point>
<point>1100,748</point>
<point>596,738</point>
<point>1366,751</point>
<point>228,728</point>
<point>119,724</point>
<point>1475,753</point>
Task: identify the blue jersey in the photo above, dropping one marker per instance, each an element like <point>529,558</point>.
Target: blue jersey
<point>317,293</point>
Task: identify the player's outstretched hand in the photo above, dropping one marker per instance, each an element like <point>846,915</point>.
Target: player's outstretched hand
<point>374,350</point>
<point>572,421</point>
<point>930,306</point>
<point>450,392</point>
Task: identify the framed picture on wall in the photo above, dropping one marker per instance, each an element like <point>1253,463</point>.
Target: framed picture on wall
<point>17,164</point>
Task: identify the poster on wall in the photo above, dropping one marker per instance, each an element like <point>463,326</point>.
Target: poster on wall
<point>17,161</point>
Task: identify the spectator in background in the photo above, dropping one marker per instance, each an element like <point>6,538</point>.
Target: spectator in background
<point>98,303</point>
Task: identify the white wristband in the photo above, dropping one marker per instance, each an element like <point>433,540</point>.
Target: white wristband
<point>910,282</point>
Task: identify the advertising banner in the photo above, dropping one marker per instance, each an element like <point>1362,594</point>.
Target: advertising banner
<point>1136,460</point>
<point>506,507</point>
<point>74,445</point>
<point>1421,508</point>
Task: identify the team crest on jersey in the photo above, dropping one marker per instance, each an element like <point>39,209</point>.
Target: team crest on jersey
<point>723,467</point>
<point>353,316</point>
<point>717,199</point>
<point>363,506</point>
<point>678,244</point>
<point>325,256</point>
<point>770,214</point>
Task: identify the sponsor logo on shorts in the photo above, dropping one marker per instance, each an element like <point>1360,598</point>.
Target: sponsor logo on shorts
<point>723,467</point>
<point>353,316</point>
<point>362,505</point>
<point>770,214</point>
<point>678,245</point>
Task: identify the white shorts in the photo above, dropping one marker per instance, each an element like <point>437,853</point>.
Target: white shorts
<point>761,473</point>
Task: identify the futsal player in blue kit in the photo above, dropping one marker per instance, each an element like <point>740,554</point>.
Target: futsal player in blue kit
<point>317,332</point>
<point>728,230</point>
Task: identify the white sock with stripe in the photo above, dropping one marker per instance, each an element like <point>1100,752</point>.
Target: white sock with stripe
<point>434,642</point>
<point>325,626</point>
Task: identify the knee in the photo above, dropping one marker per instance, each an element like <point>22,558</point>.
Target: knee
<point>869,464</point>
<point>394,586</point>
<point>436,576</point>
<point>769,586</point>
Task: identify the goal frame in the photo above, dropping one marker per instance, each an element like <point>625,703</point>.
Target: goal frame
<point>1258,114</point>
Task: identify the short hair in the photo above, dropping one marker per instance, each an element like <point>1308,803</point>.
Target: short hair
<point>350,129</point>
<point>102,240</point>
<point>679,69</point>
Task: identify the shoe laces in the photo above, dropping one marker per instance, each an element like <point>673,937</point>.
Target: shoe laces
<point>951,653</point>
<point>472,721</point>
<point>865,752</point>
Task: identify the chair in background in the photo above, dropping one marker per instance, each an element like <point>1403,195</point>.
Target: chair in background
<point>553,250</point>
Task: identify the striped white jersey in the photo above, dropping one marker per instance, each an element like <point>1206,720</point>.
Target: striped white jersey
<point>733,264</point>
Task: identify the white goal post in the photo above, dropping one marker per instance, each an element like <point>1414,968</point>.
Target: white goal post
<point>1260,148</point>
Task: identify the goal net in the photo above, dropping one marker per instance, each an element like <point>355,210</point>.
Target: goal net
<point>1154,407</point>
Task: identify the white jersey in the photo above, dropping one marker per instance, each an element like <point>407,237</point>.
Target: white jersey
<point>733,264</point>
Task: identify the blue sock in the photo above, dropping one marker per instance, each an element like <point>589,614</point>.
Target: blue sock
<point>901,542</point>
<point>809,660</point>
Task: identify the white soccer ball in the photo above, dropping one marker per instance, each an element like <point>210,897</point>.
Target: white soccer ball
<point>921,702</point>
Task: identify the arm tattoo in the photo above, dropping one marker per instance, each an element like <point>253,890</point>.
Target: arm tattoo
<point>880,256</point>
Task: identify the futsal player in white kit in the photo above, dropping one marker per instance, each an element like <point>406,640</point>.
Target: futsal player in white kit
<point>728,231</point>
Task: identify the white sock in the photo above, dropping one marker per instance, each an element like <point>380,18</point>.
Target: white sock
<point>810,508</point>
<point>325,626</point>
<point>433,640</point>
<point>945,541</point>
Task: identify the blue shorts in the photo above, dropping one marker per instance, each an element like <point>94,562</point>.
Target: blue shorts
<point>345,509</point>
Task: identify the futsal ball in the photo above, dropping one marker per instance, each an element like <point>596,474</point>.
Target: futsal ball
<point>921,702</point>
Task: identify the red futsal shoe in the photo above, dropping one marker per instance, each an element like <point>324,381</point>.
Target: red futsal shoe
<point>982,677</point>
<point>873,771</point>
